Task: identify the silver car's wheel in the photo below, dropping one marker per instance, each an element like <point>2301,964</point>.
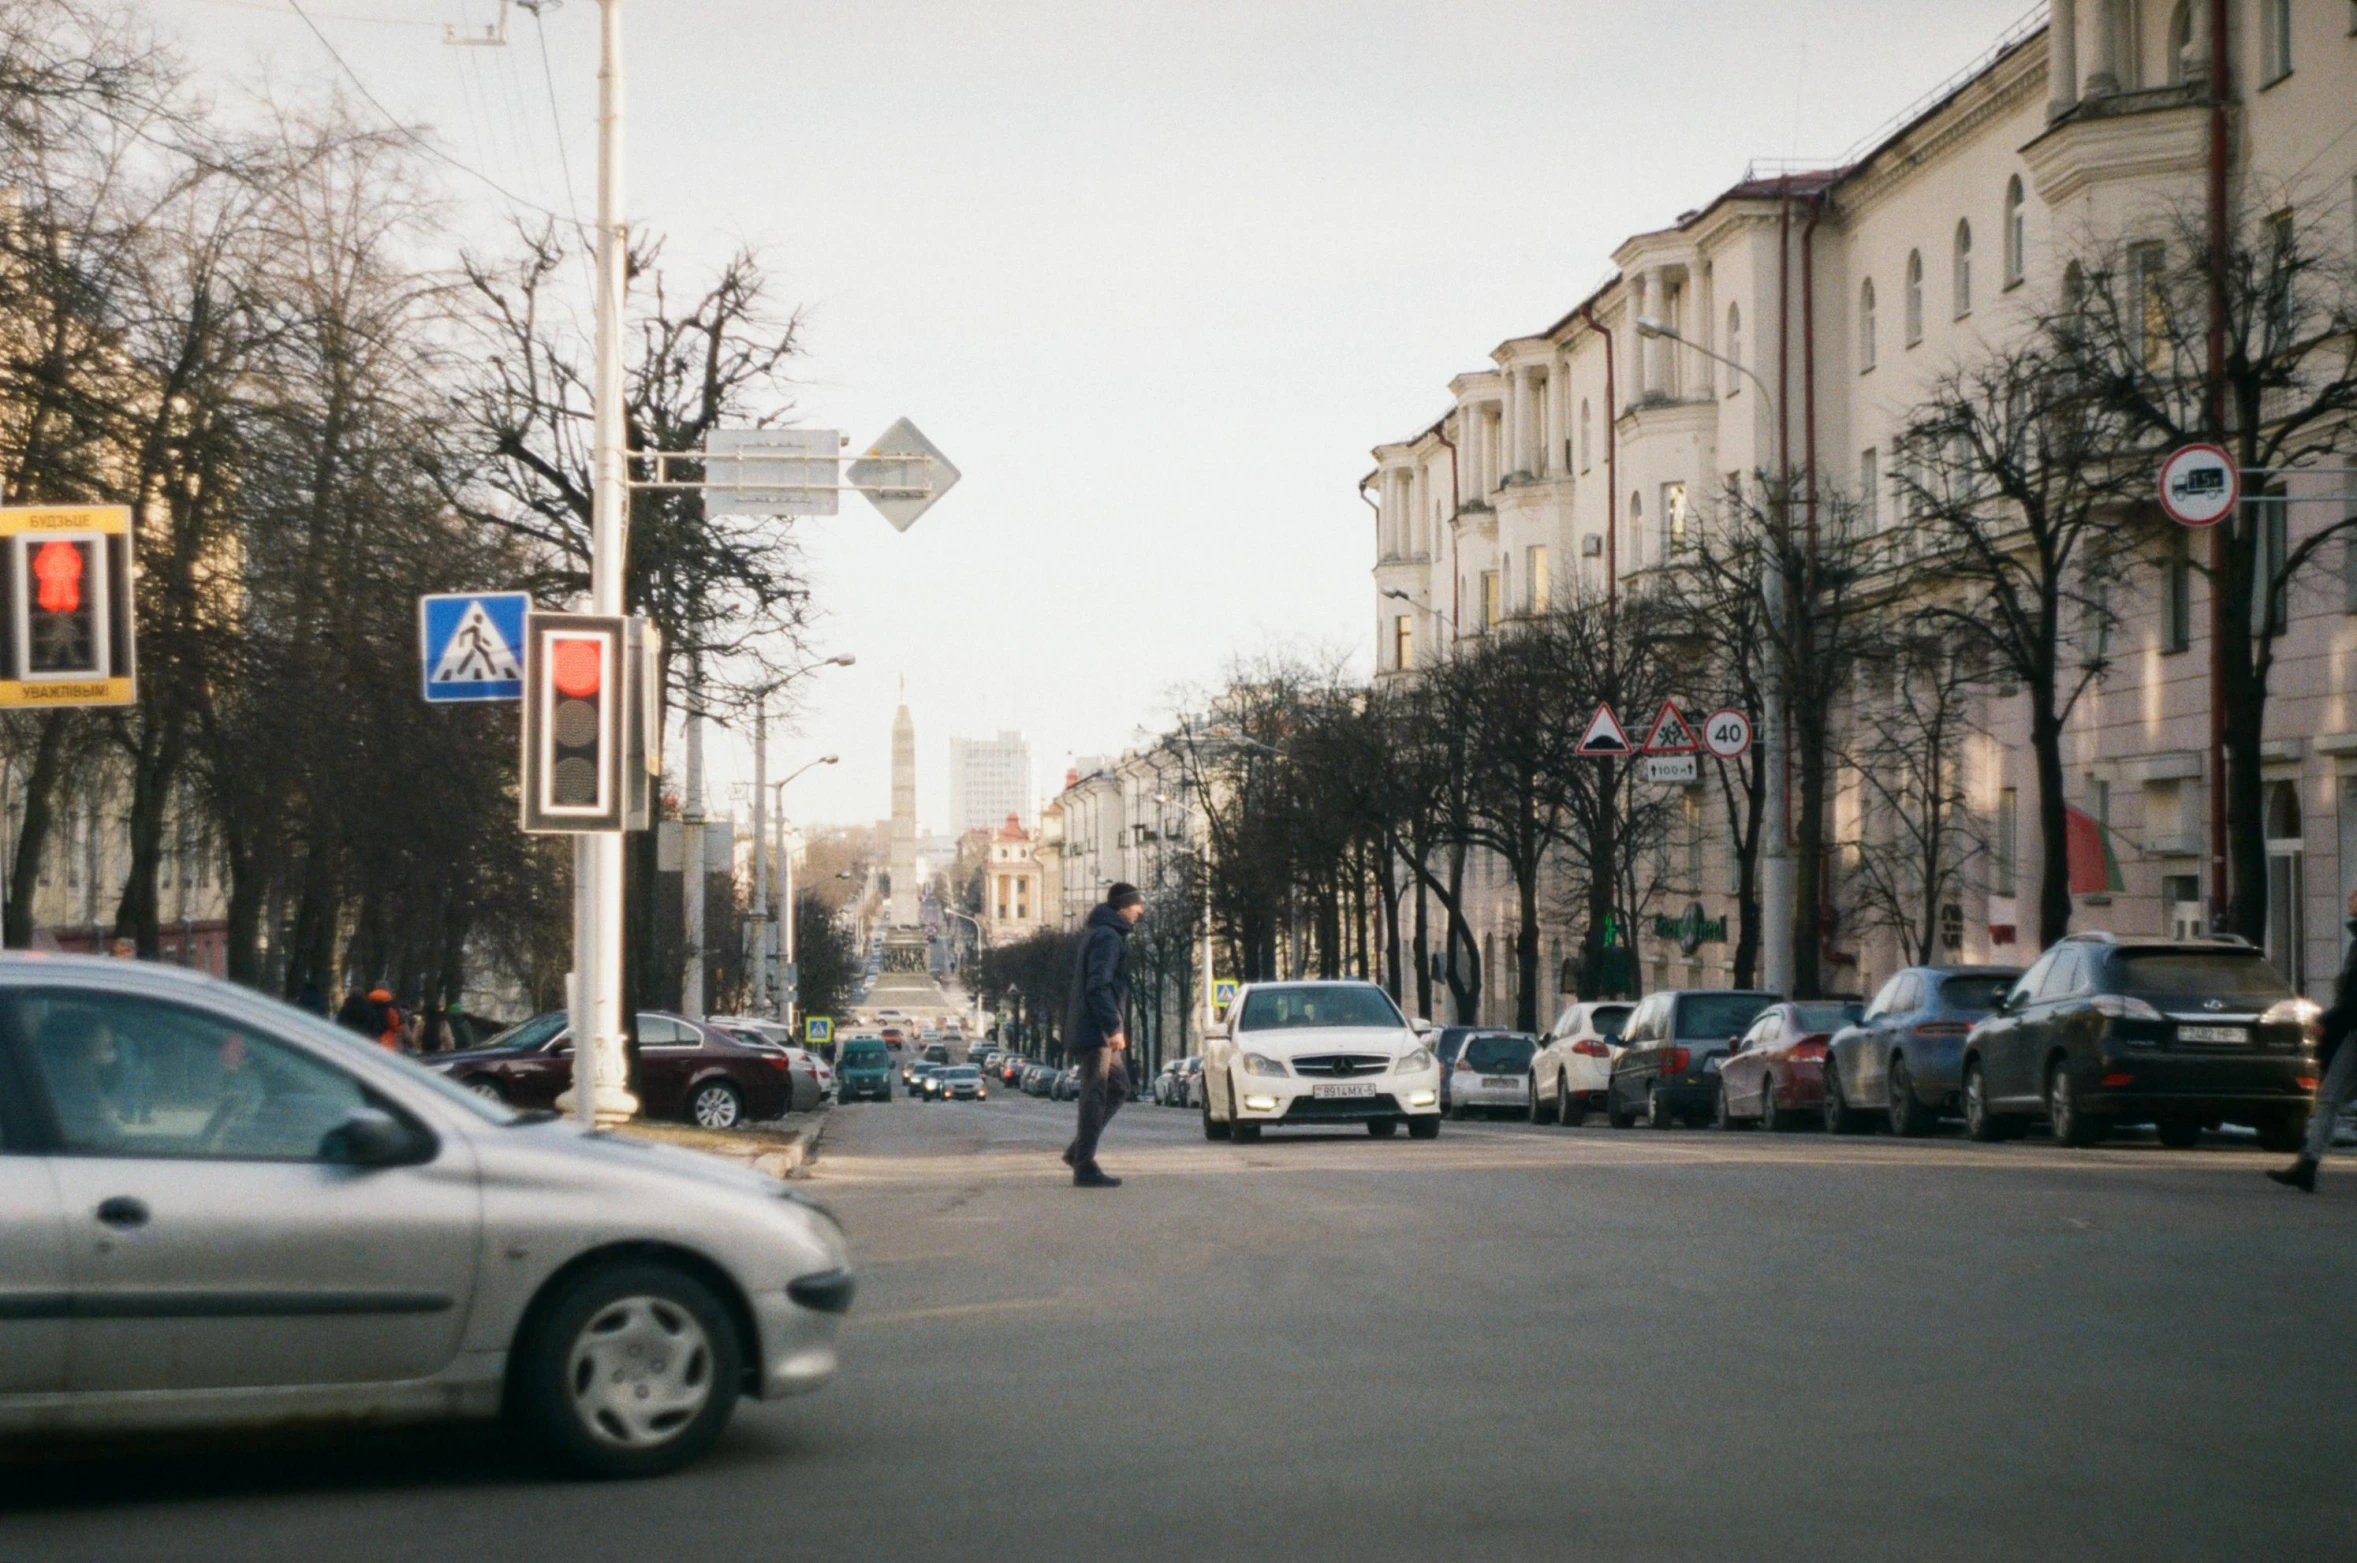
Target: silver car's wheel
<point>716,1106</point>
<point>633,1371</point>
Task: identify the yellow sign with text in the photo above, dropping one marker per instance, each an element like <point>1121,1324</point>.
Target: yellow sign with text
<point>67,614</point>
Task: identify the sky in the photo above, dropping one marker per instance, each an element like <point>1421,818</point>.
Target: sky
<point>1155,274</point>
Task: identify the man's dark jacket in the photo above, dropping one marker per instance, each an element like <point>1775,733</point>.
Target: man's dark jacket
<point>1100,982</point>
<point>2341,1019</point>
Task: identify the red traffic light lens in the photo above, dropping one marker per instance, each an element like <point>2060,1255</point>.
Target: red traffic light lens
<point>577,666</point>
<point>58,567</point>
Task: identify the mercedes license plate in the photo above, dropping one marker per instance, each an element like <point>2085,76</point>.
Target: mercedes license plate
<point>1343,1088</point>
<point>2212,1034</point>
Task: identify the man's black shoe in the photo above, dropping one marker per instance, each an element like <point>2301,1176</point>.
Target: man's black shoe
<point>2299,1175</point>
<point>1091,1178</point>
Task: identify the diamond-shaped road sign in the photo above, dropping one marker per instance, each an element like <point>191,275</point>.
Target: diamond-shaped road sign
<point>902,474</point>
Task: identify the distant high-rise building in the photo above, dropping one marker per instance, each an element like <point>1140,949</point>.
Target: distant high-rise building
<point>989,779</point>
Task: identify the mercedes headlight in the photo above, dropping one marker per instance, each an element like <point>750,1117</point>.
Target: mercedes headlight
<point>1417,1062</point>
<point>1262,1064</point>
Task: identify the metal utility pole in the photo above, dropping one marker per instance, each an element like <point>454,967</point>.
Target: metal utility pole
<point>691,851</point>
<point>785,912</point>
<point>760,918</point>
<point>601,1068</point>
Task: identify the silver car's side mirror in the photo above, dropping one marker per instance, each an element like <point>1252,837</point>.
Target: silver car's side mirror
<point>372,1137</point>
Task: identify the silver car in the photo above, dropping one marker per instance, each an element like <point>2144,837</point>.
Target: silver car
<point>217,1210</point>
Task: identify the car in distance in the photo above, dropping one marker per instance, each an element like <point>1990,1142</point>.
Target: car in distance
<point>686,1069</point>
<point>304,1227</point>
<point>1903,1059</point>
<point>957,1083</point>
<point>1775,1077</point>
<point>919,1073</point>
<point>1492,1074</point>
<point>1313,1054</point>
<point>1574,1063</point>
<point>2182,1034</point>
<point>1667,1070</point>
<point>867,1070</point>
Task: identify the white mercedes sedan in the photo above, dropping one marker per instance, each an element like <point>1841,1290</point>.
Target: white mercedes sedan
<point>1315,1055</point>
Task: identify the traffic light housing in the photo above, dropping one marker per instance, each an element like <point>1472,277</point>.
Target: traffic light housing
<point>592,722</point>
<point>66,603</point>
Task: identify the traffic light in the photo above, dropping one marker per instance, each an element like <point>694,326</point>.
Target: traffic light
<point>67,593</point>
<point>577,702</point>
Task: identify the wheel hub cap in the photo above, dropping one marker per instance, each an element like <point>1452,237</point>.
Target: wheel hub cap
<point>640,1372</point>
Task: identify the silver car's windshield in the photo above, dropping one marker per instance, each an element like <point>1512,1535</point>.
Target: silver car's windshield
<point>1287,1009</point>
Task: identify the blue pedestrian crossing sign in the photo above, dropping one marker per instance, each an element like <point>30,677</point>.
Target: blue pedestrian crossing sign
<point>473,644</point>
<point>818,1030</point>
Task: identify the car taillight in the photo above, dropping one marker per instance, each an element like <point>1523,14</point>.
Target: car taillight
<point>1942,1028</point>
<point>775,1062</point>
<point>1810,1047</point>
<point>1675,1062</point>
<point>1591,1050</point>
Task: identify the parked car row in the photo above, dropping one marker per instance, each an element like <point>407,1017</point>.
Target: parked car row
<point>708,1074</point>
<point>1180,1083</point>
<point>2102,1031</point>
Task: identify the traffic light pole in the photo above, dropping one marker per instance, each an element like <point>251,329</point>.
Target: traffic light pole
<point>601,1070</point>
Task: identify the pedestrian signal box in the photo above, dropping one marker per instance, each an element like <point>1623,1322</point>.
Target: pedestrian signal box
<point>588,687</point>
<point>65,575</point>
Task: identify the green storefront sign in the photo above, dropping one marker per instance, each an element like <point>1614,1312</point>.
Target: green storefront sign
<point>1692,930</point>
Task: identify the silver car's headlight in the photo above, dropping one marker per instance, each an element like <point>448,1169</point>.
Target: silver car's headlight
<point>1416,1063</point>
<point>1262,1064</point>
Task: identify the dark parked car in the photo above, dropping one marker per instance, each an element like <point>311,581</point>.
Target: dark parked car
<point>1010,1069</point>
<point>917,1073</point>
<point>1776,1075</point>
<point>1064,1086</point>
<point>685,1070</point>
<point>1037,1078</point>
<point>1904,1059</point>
<point>2179,1033</point>
<point>1668,1066</point>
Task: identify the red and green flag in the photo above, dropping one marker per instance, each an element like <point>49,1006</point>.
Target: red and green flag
<point>2095,867</point>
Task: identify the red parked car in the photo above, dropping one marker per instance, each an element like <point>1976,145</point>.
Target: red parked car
<point>685,1070</point>
<point>1776,1075</point>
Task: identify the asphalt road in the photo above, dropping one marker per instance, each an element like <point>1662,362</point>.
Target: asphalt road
<point>1510,1343</point>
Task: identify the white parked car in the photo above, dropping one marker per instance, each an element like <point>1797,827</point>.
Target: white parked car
<point>216,1210</point>
<point>1573,1069</point>
<point>1491,1074</point>
<point>1311,1054</point>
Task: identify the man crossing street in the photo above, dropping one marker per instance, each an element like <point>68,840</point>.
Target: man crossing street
<point>1093,1027</point>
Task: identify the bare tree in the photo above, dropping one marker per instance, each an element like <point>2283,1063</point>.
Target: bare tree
<point>1918,839</point>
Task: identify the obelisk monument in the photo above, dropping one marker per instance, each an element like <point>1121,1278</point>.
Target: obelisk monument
<point>905,912</point>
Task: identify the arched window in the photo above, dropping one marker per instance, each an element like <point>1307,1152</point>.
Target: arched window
<point>1587,442</point>
<point>1960,285</point>
<point>2074,286</point>
<point>2180,43</point>
<point>1636,526</point>
<point>2017,232</point>
<point>1914,297</point>
<point>1734,347</point>
<point>1866,325</point>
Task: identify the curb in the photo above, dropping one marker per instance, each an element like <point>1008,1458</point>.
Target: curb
<point>793,1161</point>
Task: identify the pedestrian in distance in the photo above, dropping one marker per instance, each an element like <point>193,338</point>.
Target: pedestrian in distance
<point>2338,1063</point>
<point>359,1013</point>
<point>1093,1030</point>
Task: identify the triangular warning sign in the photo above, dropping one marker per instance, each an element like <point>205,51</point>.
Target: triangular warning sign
<point>1605,734</point>
<point>1672,733</point>
<point>477,653</point>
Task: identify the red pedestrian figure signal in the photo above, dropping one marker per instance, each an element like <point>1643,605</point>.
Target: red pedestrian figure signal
<point>66,595</point>
<point>58,567</point>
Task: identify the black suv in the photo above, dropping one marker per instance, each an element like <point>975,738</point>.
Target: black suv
<point>2179,1033</point>
<point>1667,1068</point>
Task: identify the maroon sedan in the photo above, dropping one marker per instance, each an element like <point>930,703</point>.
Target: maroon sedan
<point>685,1070</point>
<point>1776,1075</point>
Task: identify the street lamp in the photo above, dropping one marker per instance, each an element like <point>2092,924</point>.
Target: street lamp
<point>1776,875</point>
<point>760,918</point>
<point>1202,845</point>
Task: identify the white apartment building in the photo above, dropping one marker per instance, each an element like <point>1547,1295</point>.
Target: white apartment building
<point>989,779</point>
<point>1586,448</point>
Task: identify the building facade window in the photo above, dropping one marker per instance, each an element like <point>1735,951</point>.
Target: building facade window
<point>1673,518</point>
<point>1866,325</point>
<point>2150,303</point>
<point>2274,540</point>
<point>1636,527</point>
<point>1914,297</point>
<point>1587,440</point>
<point>2275,40</point>
<point>2017,232</point>
<point>1960,278</point>
<point>1538,584</point>
<point>1734,347</point>
<point>2180,61</point>
<point>1870,489</point>
<point>2177,592</point>
<point>1403,642</point>
<point>1489,599</point>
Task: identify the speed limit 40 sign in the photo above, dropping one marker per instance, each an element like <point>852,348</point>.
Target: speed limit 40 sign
<point>1727,733</point>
